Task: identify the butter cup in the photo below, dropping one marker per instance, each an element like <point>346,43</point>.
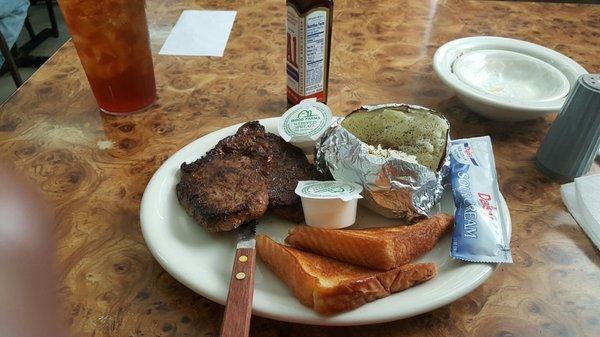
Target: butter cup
<point>303,124</point>
<point>329,204</point>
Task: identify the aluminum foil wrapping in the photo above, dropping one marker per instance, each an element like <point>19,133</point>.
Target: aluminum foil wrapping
<point>393,187</point>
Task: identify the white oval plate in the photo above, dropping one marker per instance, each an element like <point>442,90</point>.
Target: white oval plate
<point>203,261</point>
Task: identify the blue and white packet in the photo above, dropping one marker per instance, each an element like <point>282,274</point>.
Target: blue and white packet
<point>481,232</point>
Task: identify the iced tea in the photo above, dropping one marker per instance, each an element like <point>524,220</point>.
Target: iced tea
<point>111,38</point>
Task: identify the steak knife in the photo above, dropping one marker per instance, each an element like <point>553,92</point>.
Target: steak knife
<point>238,309</point>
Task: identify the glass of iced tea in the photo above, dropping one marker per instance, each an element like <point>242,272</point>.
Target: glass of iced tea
<point>111,38</point>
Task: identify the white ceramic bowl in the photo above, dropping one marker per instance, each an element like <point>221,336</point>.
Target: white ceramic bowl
<point>506,79</point>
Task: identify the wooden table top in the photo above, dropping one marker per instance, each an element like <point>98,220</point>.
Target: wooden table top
<point>93,168</point>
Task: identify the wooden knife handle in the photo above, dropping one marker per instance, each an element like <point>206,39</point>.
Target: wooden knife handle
<point>238,309</point>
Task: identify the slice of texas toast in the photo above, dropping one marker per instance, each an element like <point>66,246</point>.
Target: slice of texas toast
<point>329,286</point>
<point>377,248</point>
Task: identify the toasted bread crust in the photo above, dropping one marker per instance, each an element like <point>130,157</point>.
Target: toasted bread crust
<point>330,286</point>
<point>362,250</point>
<point>302,284</point>
<point>353,294</point>
<point>421,237</point>
<point>377,248</point>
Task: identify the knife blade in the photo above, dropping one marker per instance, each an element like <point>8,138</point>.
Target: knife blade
<point>238,308</point>
<point>246,235</point>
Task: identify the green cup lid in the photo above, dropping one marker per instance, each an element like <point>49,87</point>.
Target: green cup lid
<point>331,189</point>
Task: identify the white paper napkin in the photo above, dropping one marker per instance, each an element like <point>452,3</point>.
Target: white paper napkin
<point>199,33</point>
<point>582,198</point>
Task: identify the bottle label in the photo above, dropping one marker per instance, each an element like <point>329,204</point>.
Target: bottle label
<point>307,38</point>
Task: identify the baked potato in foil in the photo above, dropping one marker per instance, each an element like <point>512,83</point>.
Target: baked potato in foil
<point>396,151</point>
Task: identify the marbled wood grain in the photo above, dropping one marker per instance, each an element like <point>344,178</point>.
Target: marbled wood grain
<point>93,168</point>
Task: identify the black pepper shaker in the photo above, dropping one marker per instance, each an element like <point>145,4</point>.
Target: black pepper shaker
<point>572,142</point>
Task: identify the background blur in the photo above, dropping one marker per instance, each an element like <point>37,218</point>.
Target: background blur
<point>40,19</point>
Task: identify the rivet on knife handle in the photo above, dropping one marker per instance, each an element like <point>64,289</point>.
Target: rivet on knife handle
<point>238,309</point>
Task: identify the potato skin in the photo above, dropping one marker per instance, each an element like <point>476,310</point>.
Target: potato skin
<point>409,129</point>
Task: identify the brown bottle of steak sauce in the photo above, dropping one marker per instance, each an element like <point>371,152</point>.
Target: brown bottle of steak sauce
<point>308,44</point>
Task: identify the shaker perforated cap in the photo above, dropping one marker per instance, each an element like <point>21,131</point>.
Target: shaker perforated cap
<point>572,142</point>
<point>592,81</point>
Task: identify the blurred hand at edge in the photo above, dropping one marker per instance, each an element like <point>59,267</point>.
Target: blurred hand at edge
<point>28,303</point>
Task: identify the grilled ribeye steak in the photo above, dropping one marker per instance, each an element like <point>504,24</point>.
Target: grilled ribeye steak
<point>242,176</point>
<point>222,193</point>
<point>249,141</point>
<point>228,186</point>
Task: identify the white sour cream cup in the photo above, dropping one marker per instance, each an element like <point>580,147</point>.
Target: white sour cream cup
<point>329,204</point>
<point>302,124</point>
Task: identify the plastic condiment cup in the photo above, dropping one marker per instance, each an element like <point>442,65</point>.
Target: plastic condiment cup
<point>304,123</point>
<point>329,204</point>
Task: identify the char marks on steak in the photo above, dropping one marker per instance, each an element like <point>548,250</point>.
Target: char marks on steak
<point>206,192</point>
<point>242,176</point>
<point>289,166</point>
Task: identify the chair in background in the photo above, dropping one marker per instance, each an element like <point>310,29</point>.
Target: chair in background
<point>9,62</point>
<point>19,56</point>
<point>37,39</point>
